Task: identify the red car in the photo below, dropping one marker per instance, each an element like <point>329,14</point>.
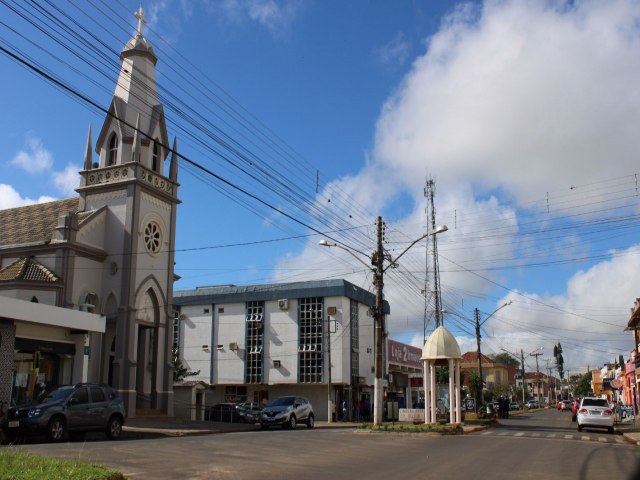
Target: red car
<point>574,409</point>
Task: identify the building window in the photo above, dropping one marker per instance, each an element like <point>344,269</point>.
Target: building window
<point>254,338</point>
<point>310,337</point>
<point>152,237</point>
<point>113,150</point>
<point>355,341</point>
<point>155,155</point>
<point>176,330</point>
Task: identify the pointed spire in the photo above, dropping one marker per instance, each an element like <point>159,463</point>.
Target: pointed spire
<point>135,154</point>
<point>88,156</point>
<point>173,167</point>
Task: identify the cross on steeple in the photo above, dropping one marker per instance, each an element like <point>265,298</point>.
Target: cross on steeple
<point>141,20</point>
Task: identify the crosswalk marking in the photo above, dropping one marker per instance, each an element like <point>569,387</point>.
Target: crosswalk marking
<point>529,434</point>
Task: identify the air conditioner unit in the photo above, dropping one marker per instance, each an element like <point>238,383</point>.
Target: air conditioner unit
<point>233,346</point>
<point>332,310</point>
<point>276,364</point>
<point>283,304</point>
<point>182,317</point>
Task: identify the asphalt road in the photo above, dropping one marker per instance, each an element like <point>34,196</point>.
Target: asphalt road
<point>544,445</point>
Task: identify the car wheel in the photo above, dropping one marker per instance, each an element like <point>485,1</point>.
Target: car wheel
<point>579,427</point>
<point>291,423</point>
<point>311,422</point>
<point>610,429</point>
<point>56,429</point>
<point>573,418</point>
<point>114,428</point>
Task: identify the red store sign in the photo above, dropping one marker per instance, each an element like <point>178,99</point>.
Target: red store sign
<point>402,354</point>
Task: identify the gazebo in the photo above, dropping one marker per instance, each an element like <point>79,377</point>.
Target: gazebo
<point>441,348</point>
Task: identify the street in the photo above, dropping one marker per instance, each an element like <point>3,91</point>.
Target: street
<point>540,445</point>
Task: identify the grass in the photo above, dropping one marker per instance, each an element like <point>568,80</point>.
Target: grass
<point>16,465</point>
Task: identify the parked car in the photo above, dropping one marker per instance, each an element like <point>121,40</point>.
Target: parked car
<point>224,412</point>
<point>595,412</point>
<point>514,406</point>
<point>250,411</point>
<point>566,405</point>
<point>287,412</point>
<point>70,409</point>
<point>531,404</point>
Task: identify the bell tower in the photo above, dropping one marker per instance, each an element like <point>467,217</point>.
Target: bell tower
<point>130,187</point>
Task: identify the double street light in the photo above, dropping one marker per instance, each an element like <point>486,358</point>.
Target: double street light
<point>377,260</point>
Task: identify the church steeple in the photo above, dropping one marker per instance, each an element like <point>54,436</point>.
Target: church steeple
<point>135,128</point>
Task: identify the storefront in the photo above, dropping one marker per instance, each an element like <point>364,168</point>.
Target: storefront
<point>41,347</point>
<point>405,372</point>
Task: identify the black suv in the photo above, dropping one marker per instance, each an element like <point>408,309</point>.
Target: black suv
<point>73,409</point>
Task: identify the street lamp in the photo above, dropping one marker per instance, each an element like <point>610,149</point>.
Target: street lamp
<point>478,325</point>
<point>377,260</point>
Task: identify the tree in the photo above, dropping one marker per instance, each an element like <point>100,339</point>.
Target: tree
<point>557,353</point>
<point>505,359</point>
<point>583,385</point>
<point>180,372</point>
<point>475,385</point>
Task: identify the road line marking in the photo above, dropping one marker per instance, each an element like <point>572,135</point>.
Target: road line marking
<point>584,437</point>
<point>535,434</point>
<point>569,437</point>
<point>603,439</point>
<point>486,432</point>
<point>519,434</point>
<point>503,433</point>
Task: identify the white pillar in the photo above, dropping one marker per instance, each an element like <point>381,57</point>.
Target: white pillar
<point>80,359</point>
<point>452,411</point>
<point>433,391</point>
<point>425,384</point>
<point>458,393</point>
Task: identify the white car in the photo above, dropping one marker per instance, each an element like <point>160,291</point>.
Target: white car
<point>595,412</point>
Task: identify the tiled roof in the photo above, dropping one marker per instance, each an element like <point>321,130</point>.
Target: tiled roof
<point>27,269</point>
<point>472,357</point>
<point>33,223</point>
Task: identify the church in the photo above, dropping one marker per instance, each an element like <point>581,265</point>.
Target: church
<point>86,283</point>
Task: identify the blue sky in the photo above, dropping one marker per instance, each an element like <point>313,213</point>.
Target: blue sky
<point>524,113</point>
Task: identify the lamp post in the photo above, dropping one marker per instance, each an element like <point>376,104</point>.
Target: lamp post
<point>377,260</point>
<point>478,325</point>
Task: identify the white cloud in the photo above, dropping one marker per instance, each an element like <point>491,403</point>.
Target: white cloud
<point>511,99</point>
<point>395,52</point>
<point>9,198</point>
<point>35,158</point>
<point>277,17</point>
<point>67,180</point>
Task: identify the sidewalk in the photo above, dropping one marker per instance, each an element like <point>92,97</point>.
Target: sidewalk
<point>177,427</point>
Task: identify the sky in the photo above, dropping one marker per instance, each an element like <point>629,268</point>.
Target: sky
<point>312,118</point>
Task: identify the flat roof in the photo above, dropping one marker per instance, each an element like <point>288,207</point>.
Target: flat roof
<point>23,311</point>
<point>219,294</point>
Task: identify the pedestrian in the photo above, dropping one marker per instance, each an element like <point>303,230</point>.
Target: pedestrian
<point>357,406</point>
<point>367,409</point>
<point>344,408</point>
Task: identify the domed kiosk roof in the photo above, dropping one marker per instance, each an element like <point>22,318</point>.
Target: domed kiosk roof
<point>440,344</point>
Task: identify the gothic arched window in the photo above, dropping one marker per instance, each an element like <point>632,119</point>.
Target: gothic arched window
<point>113,149</point>
<point>155,155</point>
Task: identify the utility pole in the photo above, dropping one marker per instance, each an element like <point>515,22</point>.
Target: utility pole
<point>378,263</point>
<point>329,399</point>
<point>476,316</point>
<point>537,375</point>
<point>524,385</point>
